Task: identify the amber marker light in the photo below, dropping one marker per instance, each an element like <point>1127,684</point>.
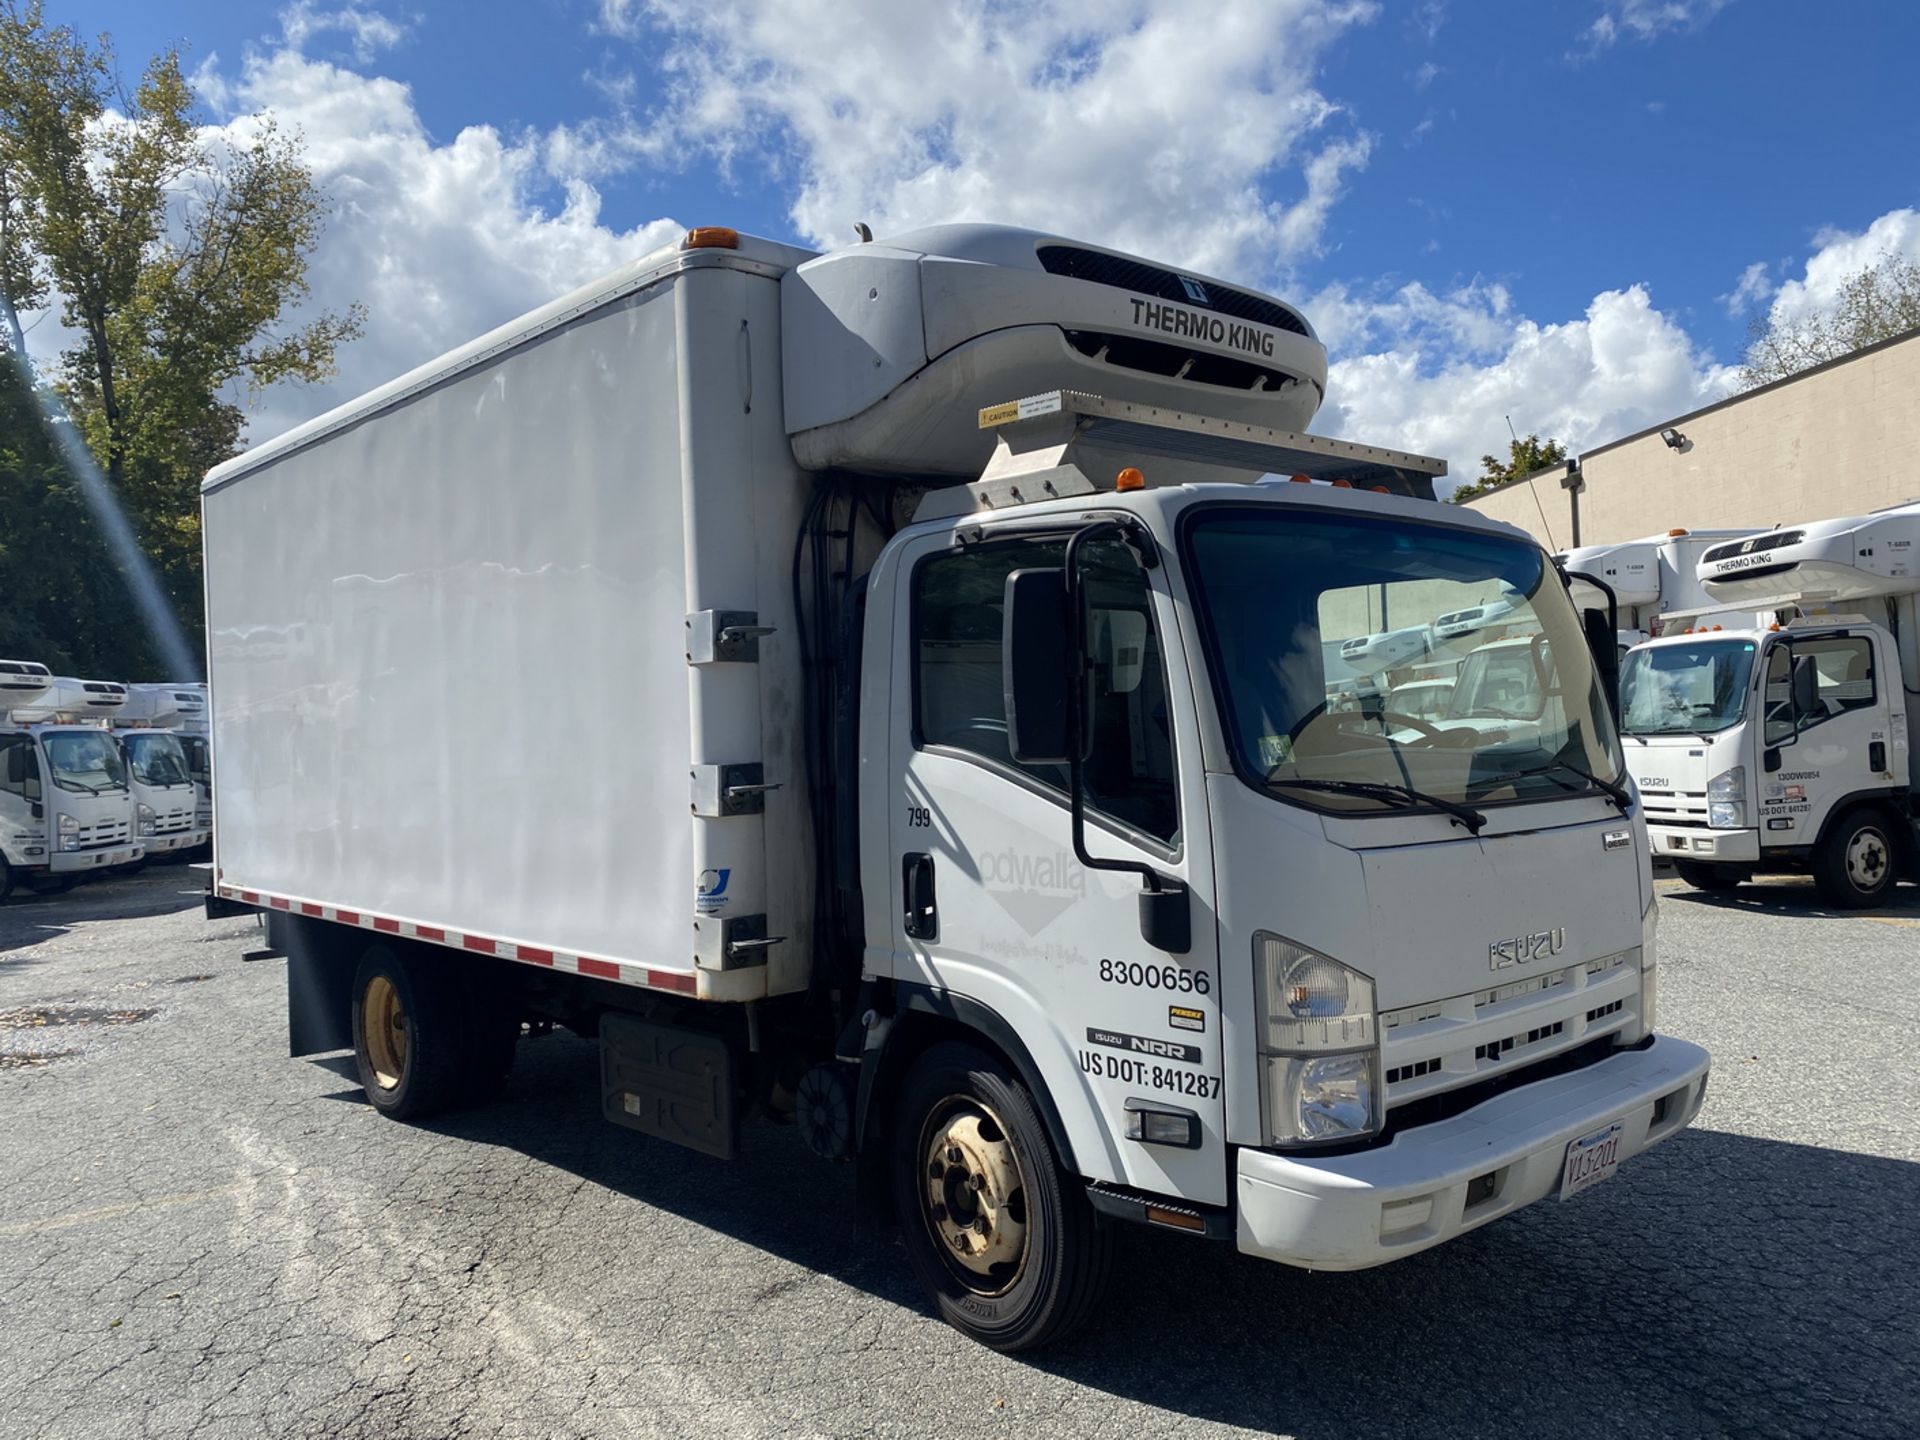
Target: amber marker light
<point>711,237</point>
<point>1129,479</point>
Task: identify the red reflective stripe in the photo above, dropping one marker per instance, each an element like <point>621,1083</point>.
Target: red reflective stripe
<point>252,897</point>
<point>392,927</point>
<point>347,917</point>
<point>537,957</point>
<point>427,932</point>
<point>311,910</point>
<point>605,969</point>
<point>672,980</point>
<point>276,902</point>
<point>478,942</point>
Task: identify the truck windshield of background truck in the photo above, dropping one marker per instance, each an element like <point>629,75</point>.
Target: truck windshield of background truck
<point>156,759</point>
<point>1275,585</point>
<point>1685,689</point>
<point>84,760</point>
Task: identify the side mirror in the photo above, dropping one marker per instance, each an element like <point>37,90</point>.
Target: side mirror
<point>1036,666</point>
<point>1604,641</point>
<point>1805,688</point>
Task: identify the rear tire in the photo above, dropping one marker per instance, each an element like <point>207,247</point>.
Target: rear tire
<point>1856,864</point>
<point>6,879</point>
<point>408,1037</point>
<point>1004,1241</point>
<point>1718,878</point>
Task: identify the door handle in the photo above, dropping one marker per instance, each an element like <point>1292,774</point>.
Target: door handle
<point>922,917</point>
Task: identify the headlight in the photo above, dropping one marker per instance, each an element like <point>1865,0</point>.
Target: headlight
<point>69,825</point>
<point>1319,1046</point>
<point>69,842</point>
<point>145,813</point>
<point>1727,799</point>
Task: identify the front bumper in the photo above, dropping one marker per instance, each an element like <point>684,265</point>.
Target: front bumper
<point>70,862</point>
<point>1348,1212</point>
<point>1690,842</point>
<point>176,840</point>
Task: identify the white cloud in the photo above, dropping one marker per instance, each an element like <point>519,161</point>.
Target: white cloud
<point>1754,285</point>
<point>440,241</point>
<point>1451,370</point>
<point>1842,253</point>
<point>1646,20</point>
<point>1208,143</point>
<point>367,31</point>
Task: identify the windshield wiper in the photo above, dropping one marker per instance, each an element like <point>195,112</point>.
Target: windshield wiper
<point>1464,815</point>
<point>1616,793</point>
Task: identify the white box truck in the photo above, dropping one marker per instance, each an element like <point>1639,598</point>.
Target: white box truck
<point>170,818</point>
<point>1654,583</point>
<point>724,662</point>
<point>65,807</point>
<point>1789,748</point>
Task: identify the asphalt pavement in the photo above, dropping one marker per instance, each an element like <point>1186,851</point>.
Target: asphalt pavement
<point>202,1237</point>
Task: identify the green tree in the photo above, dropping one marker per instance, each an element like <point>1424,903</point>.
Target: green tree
<point>1874,303</point>
<point>1523,458</point>
<point>175,258</point>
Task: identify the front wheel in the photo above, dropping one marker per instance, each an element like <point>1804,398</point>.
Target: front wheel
<point>1006,1244</point>
<point>1854,866</point>
<point>1711,877</point>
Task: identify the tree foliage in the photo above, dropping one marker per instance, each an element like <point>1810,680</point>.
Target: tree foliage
<point>1874,303</point>
<point>1523,458</point>
<point>175,257</point>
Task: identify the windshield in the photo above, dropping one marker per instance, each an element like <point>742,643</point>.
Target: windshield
<point>84,760</point>
<point>1692,689</point>
<point>156,759</point>
<point>1315,622</point>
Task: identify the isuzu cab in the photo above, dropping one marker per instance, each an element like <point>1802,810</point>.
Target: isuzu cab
<point>1788,747</point>
<point>169,815</point>
<point>988,817</point>
<point>65,806</point>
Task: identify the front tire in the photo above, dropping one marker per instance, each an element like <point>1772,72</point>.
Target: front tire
<point>1718,878</point>
<point>407,1035</point>
<point>6,879</point>
<point>1854,868</point>
<point>1003,1240</point>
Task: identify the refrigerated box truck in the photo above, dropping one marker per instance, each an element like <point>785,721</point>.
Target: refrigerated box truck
<point>65,806</point>
<point>173,816</point>
<point>880,688</point>
<point>1783,748</point>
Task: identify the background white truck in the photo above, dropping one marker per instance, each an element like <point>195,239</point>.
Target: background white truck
<point>173,815</point>
<point>948,769</point>
<point>65,807</point>
<point>1654,582</point>
<point>1789,748</point>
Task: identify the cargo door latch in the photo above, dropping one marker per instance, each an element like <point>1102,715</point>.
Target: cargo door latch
<point>717,637</point>
<point>720,791</point>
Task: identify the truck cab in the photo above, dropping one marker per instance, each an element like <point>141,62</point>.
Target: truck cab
<point>172,806</point>
<point>1789,747</point>
<point>65,806</point>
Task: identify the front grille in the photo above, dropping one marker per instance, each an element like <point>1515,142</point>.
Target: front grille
<point>1675,807</point>
<point>1163,284</point>
<point>104,832</point>
<point>168,824</point>
<point>1757,545</point>
<point>1512,1026</point>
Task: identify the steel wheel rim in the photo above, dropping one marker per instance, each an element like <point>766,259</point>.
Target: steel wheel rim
<point>1866,859</point>
<point>383,1027</point>
<point>973,1195</point>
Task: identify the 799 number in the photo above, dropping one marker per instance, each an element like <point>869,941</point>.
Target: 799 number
<point>1156,977</point>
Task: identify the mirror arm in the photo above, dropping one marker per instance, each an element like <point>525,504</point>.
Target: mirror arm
<point>1076,700</point>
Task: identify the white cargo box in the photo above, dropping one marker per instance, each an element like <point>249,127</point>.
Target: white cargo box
<point>165,706</point>
<point>22,681</point>
<point>65,698</point>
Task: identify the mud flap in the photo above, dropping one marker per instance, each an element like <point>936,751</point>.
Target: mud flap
<point>319,986</point>
<point>669,1083</point>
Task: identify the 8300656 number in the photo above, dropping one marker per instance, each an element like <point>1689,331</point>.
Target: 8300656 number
<point>1175,978</point>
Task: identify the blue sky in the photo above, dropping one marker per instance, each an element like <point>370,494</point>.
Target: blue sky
<point>1558,210</point>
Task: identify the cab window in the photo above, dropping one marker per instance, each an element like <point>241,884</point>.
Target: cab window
<point>959,702</point>
<point>1843,681</point>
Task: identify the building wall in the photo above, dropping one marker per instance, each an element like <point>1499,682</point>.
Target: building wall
<point>1843,439</point>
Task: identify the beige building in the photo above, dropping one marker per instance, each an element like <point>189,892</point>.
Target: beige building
<point>1840,439</point>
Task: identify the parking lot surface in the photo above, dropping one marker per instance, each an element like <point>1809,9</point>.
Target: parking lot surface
<point>202,1237</point>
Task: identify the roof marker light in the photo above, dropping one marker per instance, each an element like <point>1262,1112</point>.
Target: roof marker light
<point>1343,484</point>
<point>1301,479</point>
<point>1129,479</point>
<point>1675,534</point>
<point>711,237</point>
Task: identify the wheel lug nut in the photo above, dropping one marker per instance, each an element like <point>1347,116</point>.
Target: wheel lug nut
<point>953,1154</point>
<point>976,1183</point>
<point>936,1170</point>
<point>980,1226</point>
<point>960,1241</point>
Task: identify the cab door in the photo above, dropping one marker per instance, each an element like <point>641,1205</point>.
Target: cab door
<point>1845,746</point>
<point>990,903</point>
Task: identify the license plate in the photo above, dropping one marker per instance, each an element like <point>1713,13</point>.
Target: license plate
<point>1590,1159</point>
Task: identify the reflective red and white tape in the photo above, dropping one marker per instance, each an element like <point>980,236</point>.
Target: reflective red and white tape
<point>623,972</point>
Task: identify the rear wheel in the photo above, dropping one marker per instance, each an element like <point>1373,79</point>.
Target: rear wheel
<point>1005,1243</point>
<point>6,879</point>
<point>1711,877</point>
<point>407,1035</point>
<point>1854,866</point>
